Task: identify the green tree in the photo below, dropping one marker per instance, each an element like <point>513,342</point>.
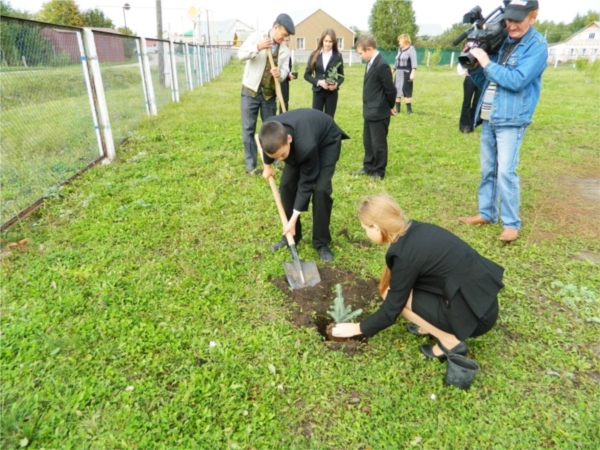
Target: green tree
<point>558,32</point>
<point>96,18</point>
<point>126,31</point>
<point>391,18</point>
<point>435,58</point>
<point>554,32</point>
<point>357,32</point>
<point>590,70</point>
<point>583,21</point>
<point>23,45</point>
<point>62,12</point>
<point>7,10</point>
<point>445,39</point>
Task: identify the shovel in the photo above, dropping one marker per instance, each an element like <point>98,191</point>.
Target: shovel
<point>277,85</point>
<point>300,274</point>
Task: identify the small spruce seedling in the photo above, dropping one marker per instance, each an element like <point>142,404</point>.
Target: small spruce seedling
<point>333,75</point>
<point>339,311</point>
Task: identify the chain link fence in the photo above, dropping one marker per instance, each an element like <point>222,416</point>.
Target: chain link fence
<point>47,126</point>
<point>67,95</point>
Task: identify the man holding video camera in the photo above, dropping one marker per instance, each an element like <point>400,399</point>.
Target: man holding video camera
<point>510,83</point>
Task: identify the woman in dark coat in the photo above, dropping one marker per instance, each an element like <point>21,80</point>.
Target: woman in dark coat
<point>432,278</point>
<point>323,60</point>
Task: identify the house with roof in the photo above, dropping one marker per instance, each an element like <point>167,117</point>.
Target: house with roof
<point>230,32</point>
<point>310,25</point>
<point>583,44</point>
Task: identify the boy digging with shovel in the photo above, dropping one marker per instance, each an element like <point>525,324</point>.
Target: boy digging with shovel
<point>309,142</point>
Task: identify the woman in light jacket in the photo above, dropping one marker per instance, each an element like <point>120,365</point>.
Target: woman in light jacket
<point>405,66</point>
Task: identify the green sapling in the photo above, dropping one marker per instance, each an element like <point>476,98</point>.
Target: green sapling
<point>339,311</point>
<point>333,75</point>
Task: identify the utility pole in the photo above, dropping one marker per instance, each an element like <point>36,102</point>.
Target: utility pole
<point>159,44</point>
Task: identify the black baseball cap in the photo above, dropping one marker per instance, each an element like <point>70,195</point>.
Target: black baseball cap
<point>286,22</point>
<point>517,10</point>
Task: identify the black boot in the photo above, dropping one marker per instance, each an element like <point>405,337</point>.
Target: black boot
<point>397,107</point>
<point>408,108</point>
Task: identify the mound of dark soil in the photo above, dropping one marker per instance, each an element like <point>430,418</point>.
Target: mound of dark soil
<point>308,306</point>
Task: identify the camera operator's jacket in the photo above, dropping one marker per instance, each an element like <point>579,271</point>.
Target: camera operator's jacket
<point>518,81</point>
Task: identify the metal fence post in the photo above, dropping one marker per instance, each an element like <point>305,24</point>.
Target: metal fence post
<point>147,76</point>
<point>211,64</point>
<point>100,98</point>
<point>86,74</point>
<point>188,69</point>
<point>198,62</point>
<point>174,81</point>
<point>139,57</point>
<point>205,55</point>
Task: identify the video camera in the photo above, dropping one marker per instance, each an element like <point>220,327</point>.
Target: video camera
<point>486,33</point>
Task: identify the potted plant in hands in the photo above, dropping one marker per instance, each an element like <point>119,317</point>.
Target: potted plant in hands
<point>332,75</point>
<point>295,70</point>
<point>340,312</point>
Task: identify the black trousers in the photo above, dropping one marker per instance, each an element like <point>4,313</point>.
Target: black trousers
<point>470,99</point>
<point>376,147</point>
<point>325,101</point>
<point>285,92</point>
<point>322,202</point>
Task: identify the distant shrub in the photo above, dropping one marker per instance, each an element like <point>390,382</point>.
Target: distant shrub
<point>590,70</point>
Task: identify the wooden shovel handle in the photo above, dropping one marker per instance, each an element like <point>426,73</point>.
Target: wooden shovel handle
<point>282,214</point>
<point>277,85</point>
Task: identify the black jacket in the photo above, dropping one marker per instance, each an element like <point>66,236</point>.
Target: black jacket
<point>432,259</point>
<point>379,91</point>
<point>311,131</point>
<point>321,72</point>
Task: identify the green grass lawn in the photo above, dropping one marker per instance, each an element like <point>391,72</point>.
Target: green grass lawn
<point>140,313</point>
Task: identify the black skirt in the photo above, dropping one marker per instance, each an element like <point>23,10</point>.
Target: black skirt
<point>438,311</point>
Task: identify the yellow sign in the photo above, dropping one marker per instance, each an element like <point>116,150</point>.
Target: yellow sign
<point>193,12</point>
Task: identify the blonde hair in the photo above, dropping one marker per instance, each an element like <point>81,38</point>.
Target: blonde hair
<point>383,211</point>
<point>404,39</point>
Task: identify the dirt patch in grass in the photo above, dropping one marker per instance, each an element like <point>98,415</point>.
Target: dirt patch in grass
<point>308,306</point>
<point>587,256</point>
<point>573,204</point>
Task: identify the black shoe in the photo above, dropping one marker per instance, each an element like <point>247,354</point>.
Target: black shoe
<point>283,243</point>
<point>376,177</point>
<point>460,349</point>
<point>325,253</point>
<point>362,172</point>
<point>253,171</point>
<point>414,329</point>
<point>427,350</point>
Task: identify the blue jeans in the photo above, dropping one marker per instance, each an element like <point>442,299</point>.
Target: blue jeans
<point>499,155</point>
<point>250,107</point>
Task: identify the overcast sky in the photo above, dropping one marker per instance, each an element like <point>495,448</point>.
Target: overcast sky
<point>141,18</point>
